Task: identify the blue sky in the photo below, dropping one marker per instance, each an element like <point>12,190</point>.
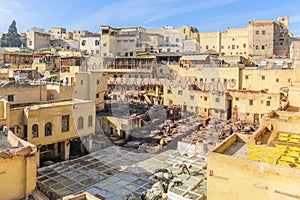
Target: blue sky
<point>206,15</point>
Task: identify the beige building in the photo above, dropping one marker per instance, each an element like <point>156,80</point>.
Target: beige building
<point>52,126</point>
<point>24,93</point>
<point>16,60</point>
<point>77,34</point>
<point>184,39</point>
<point>58,33</point>
<point>123,42</point>
<point>259,40</point>
<point>17,166</point>
<point>91,86</point>
<point>37,38</point>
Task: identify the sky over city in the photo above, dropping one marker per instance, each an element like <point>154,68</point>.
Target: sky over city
<point>208,15</point>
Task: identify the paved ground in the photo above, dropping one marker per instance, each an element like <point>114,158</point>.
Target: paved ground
<point>114,173</point>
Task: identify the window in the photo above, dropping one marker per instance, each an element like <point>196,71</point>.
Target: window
<point>177,39</point>
<point>104,44</point>
<point>257,32</point>
<point>217,100</point>
<point>263,32</point>
<point>171,71</point>
<point>10,98</point>
<point>222,47</point>
<point>263,78</point>
<point>169,91</point>
<point>90,121</point>
<point>263,47</point>
<point>83,42</point>
<point>167,39</point>
<point>228,47</point>
<point>65,123</point>
<point>192,97</point>
<point>98,82</point>
<point>205,98</point>
<point>119,54</point>
<point>257,47</point>
<point>237,46</point>
<point>48,129</point>
<point>251,102</point>
<point>277,80</point>
<point>80,123</point>
<point>233,46</point>
<point>35,131</point>
<point>161,70</point>
<point>168,50</point>
<point>97,95</point>
<point>246,77</point>
<point>126,54</point>
<point>237,99</point>
<point>268,103</point>
<point>97,42</point>
<point>206,47</point>
<point>131,53</point>
<point>244,45</point>
<point>180,92</point>
<point>81,82</point>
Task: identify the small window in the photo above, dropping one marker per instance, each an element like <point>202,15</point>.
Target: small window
<point>263,78</point>
<point>177,39</point>
<point>83,42</point>
<point>35,131</point>
<point>246,77</point>
<point>233,46</point>
<point>104,44</point>
<point>131,54</point>
<point>257,47</point>
<point>263,47</point>
<point>228,47</point>
<point>222,47</point>
<point>90,121</point>
<point>180,92</point>
<point>98,82</point>
<point>206,47</point>
<point>65,123</point>
<point>10,98</point>
<point>169,91</point>
<point>80,123</point>
<point>251,102</point>
<point>217,100</point>
<point>104,54</point>
<point>97,95</point>
<point>263,32</point>
<point>257,32</point>
<point>97,42</point>
<point>81,82</point>
<point>277,80</point>
<point>205,98</point>
<point>48,129</point>
<point>237,99</point>
<point>244,45</point>
<point>192,97</point>
<point>268,103</point>
<point>167,39</point>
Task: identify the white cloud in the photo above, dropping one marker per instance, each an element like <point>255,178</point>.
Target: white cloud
<point>3,10</point>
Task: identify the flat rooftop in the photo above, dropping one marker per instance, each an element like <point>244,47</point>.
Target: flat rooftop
<point>284,150</point>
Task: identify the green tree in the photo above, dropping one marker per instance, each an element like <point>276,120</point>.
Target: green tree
<point>12,38</point>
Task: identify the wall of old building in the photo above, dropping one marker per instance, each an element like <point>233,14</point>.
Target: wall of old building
<point>18,173</point>
<point>24,94</point>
